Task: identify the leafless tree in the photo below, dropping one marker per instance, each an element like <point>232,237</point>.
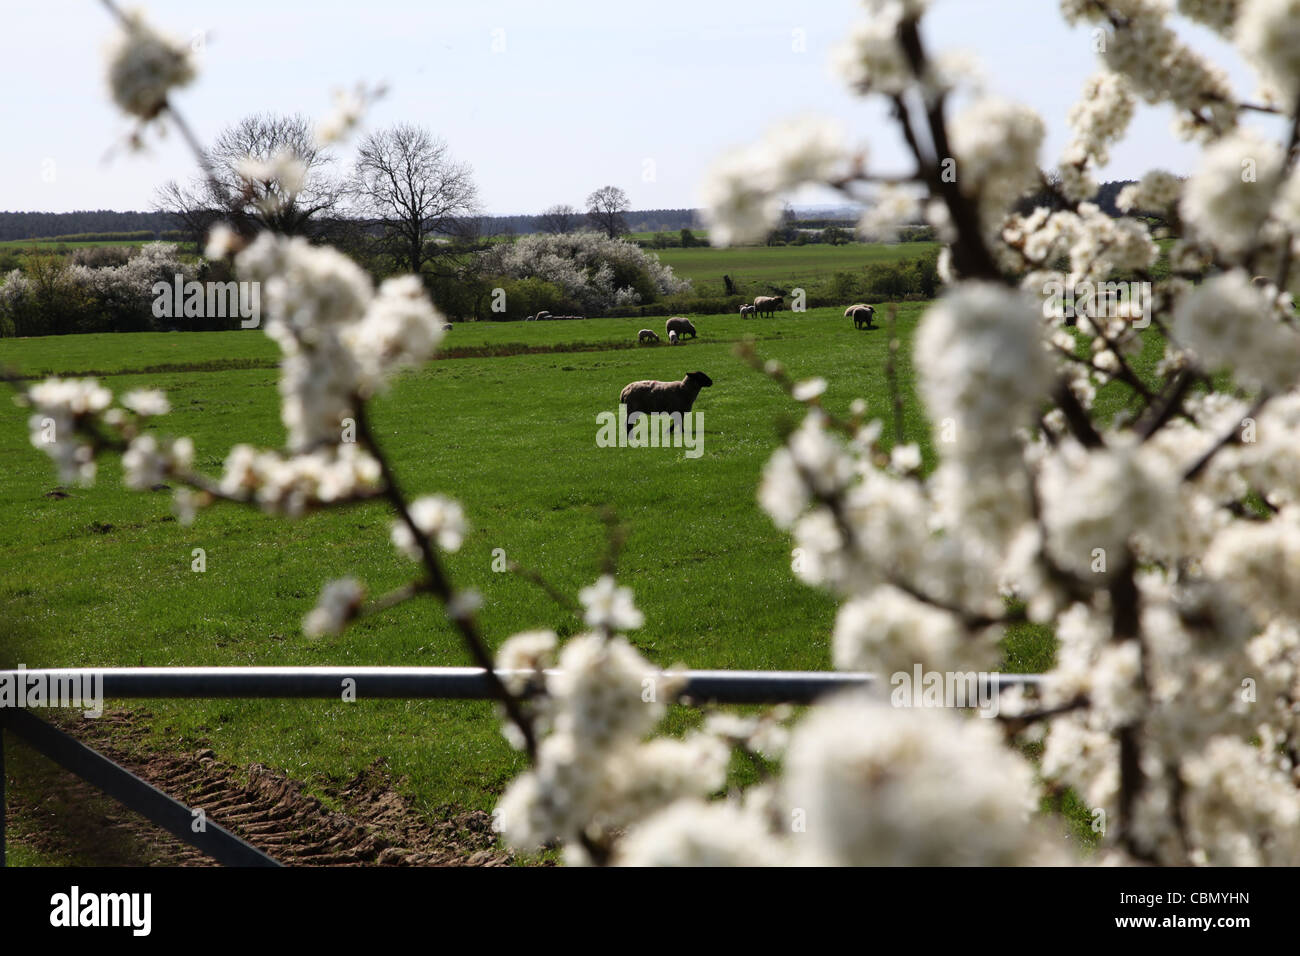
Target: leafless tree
<point>605,209</point>
<point>406,182</point>
<point>266,172</point>
<point>559,219</point>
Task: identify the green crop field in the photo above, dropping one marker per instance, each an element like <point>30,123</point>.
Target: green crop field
<point>784,266</point>
<point>47,244</point>
<point>103,576</point>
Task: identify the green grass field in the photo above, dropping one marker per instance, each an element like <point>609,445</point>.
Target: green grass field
<point>104,577</point>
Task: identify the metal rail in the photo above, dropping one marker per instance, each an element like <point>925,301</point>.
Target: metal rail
<point>453,683</point>
<point>129,790</point>
<point>332,683</point>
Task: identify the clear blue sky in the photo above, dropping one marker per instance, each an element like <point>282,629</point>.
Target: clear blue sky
<point>584,93</point>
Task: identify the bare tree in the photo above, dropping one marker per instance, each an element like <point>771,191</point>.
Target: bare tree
<point>264,172</point>
<point>605,209</point>
<point>558,219</point>
<point>406,182</point>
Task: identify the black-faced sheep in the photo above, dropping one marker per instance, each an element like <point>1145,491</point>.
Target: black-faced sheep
<point>863,316</point>
<point>748,311</point>
<point>645,335</point>
<point>768,304</point>
<point>683,327</point>
<point>650,396</point>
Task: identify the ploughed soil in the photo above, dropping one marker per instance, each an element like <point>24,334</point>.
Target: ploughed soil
<point>367,822</point>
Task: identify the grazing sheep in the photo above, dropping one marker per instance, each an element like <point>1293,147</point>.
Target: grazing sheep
<point>863,316</point>
<point>543,316</point>
<point>748,311</point>
<point>672,337</point>
<point>447,327</point>
<point>650,396</point>
<point>681,326</point>
<point>645,335</point>
<point>768,304</point>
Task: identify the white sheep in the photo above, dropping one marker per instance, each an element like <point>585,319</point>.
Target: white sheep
<point>672,337</point>
<point>646,335</point>
<point>683,327</point>
<point>863,315</point>
<point>748,311</point>
<point>650,396</point>
<point>768,304</point>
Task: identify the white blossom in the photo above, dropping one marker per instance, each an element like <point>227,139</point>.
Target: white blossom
<point>337,605</point>
<point>610,607</point>
<point>144,66</point>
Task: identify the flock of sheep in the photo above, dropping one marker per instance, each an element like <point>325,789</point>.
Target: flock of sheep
<point>650,396</point>
<point>678,328</point>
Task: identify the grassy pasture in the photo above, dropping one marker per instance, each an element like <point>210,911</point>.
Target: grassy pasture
<point>104,577</point>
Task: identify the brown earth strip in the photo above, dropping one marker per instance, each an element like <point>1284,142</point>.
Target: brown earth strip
<point>64,818</point>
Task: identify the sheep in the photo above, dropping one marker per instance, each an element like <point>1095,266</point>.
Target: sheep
<point>672,337</point>
<point>748,311</point>
<point>645,335</point>
<point>447,327</point>
<point>683,327</point>
<point>768,303</point>
<point>543,316</point>
<point>650,396</point>
<point>863,315</point>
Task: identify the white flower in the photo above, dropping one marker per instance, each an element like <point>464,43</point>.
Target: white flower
<point>809,389</point>
<point>885,786</point>
<point>741,196</point>
<point>1228,323</point>
<point>349,107</point>
<point>695,833</point>
<point>337,605</point>
<point>144,66</point>
<point>887,631</point>
<point>996,144</point>
<point>1157,191</point>
<point>222,241</point>
<point>609,606</point>
<point>147,402</point>
<point>1228,199</point>
<point>871,59</point>
<point>982,367</point>
<point>146,462</point>
<point>905,459</point>
<point>440,519</point>
<point>893,207</point>
<point>286,169</point>
<point>1268,35</point>
<point>526,651</point>
<point>400,328</point>
<point>312,296</point>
